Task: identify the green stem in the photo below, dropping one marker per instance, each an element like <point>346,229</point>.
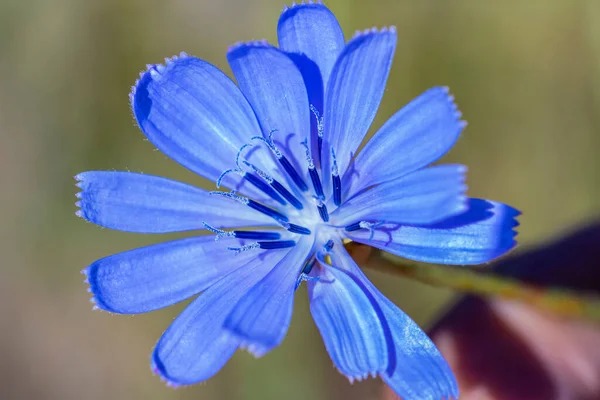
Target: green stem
<point>487,283</point>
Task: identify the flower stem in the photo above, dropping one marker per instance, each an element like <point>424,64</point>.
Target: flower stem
<point>483,282</point>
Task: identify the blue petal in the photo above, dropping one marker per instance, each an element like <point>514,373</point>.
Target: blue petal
<point>349,320</point>
<point>479,235</point>
<point>416,136</point>
<point>261,318</point>
<point>150,204</point>
<point>422,197</point>
<point>312,31</point>
<point>416,369</point>
<point>195,346</point>
<point>353,94</point>
<point>158,276</point>
<point>421,372</point>
<point>194,114</point>
<point>274,86</point>
<point>311,36</point>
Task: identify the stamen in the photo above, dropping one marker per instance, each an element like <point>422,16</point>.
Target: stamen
<point>237,170</point>
<point>309,160</point>
<point>304,277</point>
<point>256,235</point>
<point>280,244</point>
<point>250,178</point>
<point>337,182</point>
<point>277,186</point>
<point>231,195</point>
<point>319,129</point>
<point>337,190</point>
<point>314,175</point>
<point>354,227</point>
<point>322,210</point>
<point>220,178</point>
<point>239,153</point>
<point>319,120</point>
<point>260,172</point>
<point>283,160</point>
<point>220,233</point>
<point>252,204</point>
<point>309,266</point>
<point>245,247</point>
<point>296,228</point>
<point>334,167</point>
<point>286,193</point>
<point>323,256</point>
<point>269,142</point>
<point>304,274</point>
<point>268,190</point>
<point>266,210</point>
<point>293,173</point>
<point>371,226</point>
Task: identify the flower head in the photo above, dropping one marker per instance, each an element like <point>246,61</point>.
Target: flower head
<point>281,146</point>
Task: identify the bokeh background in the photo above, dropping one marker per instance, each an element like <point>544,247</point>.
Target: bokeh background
<point>525,74</point>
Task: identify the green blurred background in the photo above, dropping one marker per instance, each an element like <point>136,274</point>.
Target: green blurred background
<point>525,74</point>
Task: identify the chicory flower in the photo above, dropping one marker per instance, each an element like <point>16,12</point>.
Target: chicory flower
<point>281,146</point>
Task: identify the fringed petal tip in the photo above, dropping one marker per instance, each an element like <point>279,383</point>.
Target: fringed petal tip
<point>360,378</point>
<point>160,370</point>
<point>84,206</point>
<point>156,370</point>
<point>461,169</point>
<point>241,46</point>
<point>442,390</point>
<point>94,301</point>
<point>374,30</point>
<point>244,343</point>
<point>304,3</point>
<point>510,223</point>
<point>155,71</point>
<point>79,212</point>
<point>453,106</point>
<point>376,374</point>
<point>511,211</point>
<point>513,223</point>
<point>79,195</point>
<point>254,349</point>
<point>79,178</point>
<point>86,273</point>
<point>97,303</point>
<point>462,188</point>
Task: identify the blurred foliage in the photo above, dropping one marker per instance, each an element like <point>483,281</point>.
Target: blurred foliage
<point>525,74</point>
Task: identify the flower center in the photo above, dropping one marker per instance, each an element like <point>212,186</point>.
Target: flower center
<point>298,209</point>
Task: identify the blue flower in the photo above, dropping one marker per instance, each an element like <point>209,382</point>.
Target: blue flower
<point>281,147</point>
